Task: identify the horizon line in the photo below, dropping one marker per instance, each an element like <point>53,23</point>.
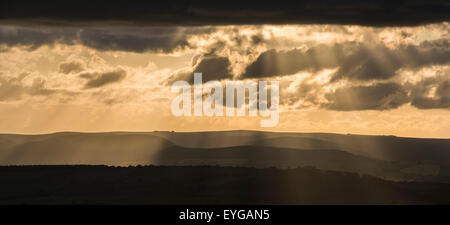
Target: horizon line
<point>214,131</point>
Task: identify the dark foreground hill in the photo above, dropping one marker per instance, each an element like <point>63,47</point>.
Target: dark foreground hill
<point>206,185</point>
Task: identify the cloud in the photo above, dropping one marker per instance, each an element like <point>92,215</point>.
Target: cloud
<point>32,38</point>
<point>99,79</point>
<point>379,63</point>
<point>197,12</point>
<point>356,61</point>
<point>14,88</point>
<point>305,95</point>
<point>380,96</point>
<point>211,67</point>
<point>132,39</point>
<point>273,62</point>
<point>431,93</point>
<point>10,88</point>
<point>38,88</point>
<point>71,67</point>
<point>164,39</point>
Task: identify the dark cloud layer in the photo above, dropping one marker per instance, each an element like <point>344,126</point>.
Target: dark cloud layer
<point>136,40</point>
<point>200,12</point>
<point>356,61</point>
<point>32,38</point>
<point>156,39</point>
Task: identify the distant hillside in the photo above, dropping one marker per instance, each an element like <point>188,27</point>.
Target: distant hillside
<point>325,159</point>
<point>80,148</point>
<point>384,156</point>
<point>388,148</point>
<point>206,185</point>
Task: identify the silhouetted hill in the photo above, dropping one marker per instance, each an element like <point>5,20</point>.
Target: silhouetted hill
<point>206,185</point>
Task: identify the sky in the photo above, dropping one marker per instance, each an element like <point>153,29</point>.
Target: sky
<point>344,71</point>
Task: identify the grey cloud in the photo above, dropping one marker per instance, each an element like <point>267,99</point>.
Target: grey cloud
<point>380,96</point>
<point>272,62</point>
<point>97,79</point>
<point>423,99</point>
<point>211,67</point>
<point>134,39</point>
<point>71,67</point>
<point>31,39</point>
<point>355,61</point>
<point>430,93</point>
<point>379,63</point>
<point>430,103</point>
<point>164,39</point>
